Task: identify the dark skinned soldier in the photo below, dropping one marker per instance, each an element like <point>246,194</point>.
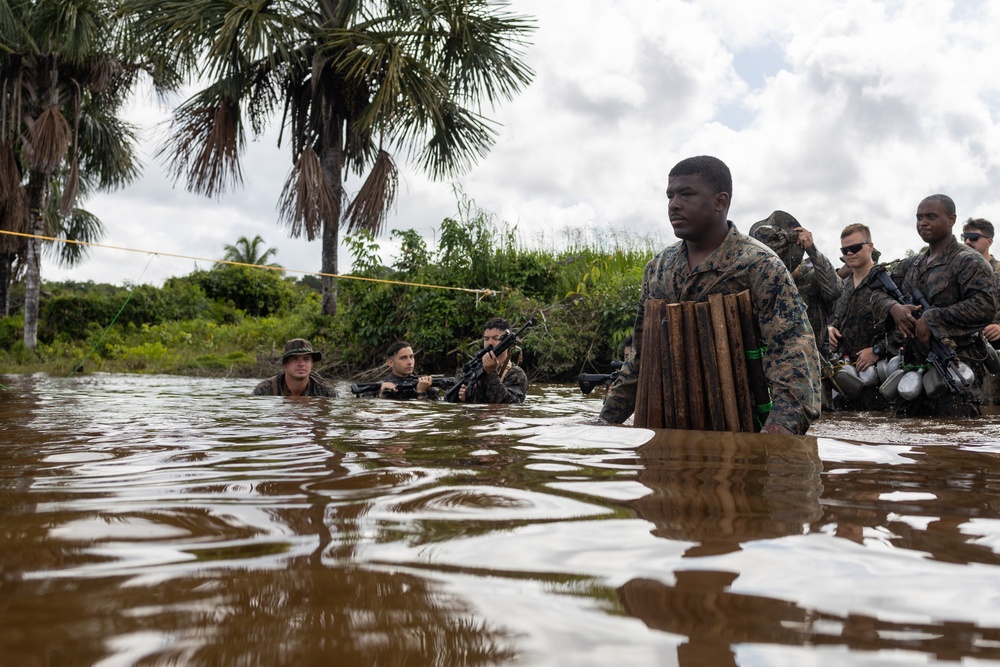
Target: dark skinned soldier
<point>958,282</point>
<point>712,257</point>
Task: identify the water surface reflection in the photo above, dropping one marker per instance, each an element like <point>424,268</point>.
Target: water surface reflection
<point>162,520</point>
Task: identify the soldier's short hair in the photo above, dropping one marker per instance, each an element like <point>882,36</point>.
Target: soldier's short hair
<point>946,201</point>
<point>395,348</point>
<point>856,228</point>
<point>497,323</point>
<point>981,225</point>
<point>712,169</point>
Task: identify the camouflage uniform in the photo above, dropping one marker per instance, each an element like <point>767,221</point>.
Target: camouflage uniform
<point>960,286</point>
<point>820,287</point>
<point>511,387</point>
<point>276,386</point>
<point>739,263</point>
<point>991,383</point>
<point>995,263</point>
<point>852,316</point>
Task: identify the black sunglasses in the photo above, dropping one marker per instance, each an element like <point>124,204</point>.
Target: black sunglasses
<point>973,236</point>
<point>854,248</point>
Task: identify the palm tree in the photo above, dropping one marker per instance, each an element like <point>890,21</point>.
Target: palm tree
<point>66,69</point>
<point>248,252</point>
<point>356,81</point>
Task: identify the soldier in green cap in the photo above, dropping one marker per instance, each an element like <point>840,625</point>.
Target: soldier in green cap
<point>297,378</point>
<point>814,275</point>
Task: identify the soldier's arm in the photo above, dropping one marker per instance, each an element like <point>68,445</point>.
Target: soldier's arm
<point>792,360</point>
<point>977,307</point>
<point>881,302</point>
<point>829,283</point>
<point>619,404</point>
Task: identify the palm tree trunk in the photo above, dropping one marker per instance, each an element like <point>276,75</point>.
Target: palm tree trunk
<point>37,186</point>
<point>332,159</point>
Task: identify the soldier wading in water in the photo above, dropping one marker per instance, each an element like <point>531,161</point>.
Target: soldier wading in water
<point>712,257</point>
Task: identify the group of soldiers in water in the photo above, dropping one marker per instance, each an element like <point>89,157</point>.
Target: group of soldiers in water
<point>865,334</point>
<point>499,380</point>
<point>815,323</point>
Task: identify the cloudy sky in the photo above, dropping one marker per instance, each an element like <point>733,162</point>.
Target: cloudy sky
<point>837,112</point>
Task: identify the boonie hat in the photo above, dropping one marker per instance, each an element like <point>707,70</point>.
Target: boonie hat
<point>777,232</point>
<point>297,346</point>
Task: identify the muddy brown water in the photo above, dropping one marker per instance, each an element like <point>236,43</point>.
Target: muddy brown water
<point>154,520</point>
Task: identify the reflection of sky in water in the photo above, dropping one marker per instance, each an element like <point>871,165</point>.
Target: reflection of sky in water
<point>522,528</point>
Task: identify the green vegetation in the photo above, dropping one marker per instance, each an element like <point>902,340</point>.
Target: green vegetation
<point>233,320</point>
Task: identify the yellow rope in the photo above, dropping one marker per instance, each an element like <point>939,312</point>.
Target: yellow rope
<point>478,292</point>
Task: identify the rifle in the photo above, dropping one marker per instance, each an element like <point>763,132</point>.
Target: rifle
<point>405,388</point>
<point>941,357</point>
<point>590,380</point>
<point>473,369</point>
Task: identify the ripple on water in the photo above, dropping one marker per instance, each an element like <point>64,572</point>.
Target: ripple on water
<point>267,531</point>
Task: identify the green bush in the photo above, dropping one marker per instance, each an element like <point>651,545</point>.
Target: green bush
<point>257,292</point>
<point>11,331</point>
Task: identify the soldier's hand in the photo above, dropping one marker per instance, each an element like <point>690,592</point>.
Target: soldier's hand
<point>835,336</point>
<point>866,359</point>
<point>424,383</point>
<point>992,332</point>
<point>461,393</point>
<point>776,429</point>
<point>902,315</point>
<point>490,362</point>
<point>387,387</point>
<point>805,238</point>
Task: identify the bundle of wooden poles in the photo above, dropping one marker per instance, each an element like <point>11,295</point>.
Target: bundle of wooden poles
<point>695,371</point>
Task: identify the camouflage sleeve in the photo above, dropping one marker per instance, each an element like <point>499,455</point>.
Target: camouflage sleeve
<point>839,309</point>
<point>828,282</point>
<point>512,389</point>
<point>881,302</point>
<point>977,307</point>
<point>996,294</point>
<point>619,404</point>
<point>791,362</point>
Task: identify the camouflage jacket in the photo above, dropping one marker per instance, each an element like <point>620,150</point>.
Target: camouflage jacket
<point>820,288</point>
<point>852,316</point>
<point>491,388</point>
<point>958,283</point>
<point>276,386</point>
<point>740,262</point>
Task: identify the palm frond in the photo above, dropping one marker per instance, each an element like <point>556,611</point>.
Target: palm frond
<point>49,140</point>
<point>376,197</point>
<point>14,218</point>
<point>208,140</point>
<point>79,225</point>
<point>307,200</point>
<point>106,148</point>
<point>459,139</point>
<point>10,174</point>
